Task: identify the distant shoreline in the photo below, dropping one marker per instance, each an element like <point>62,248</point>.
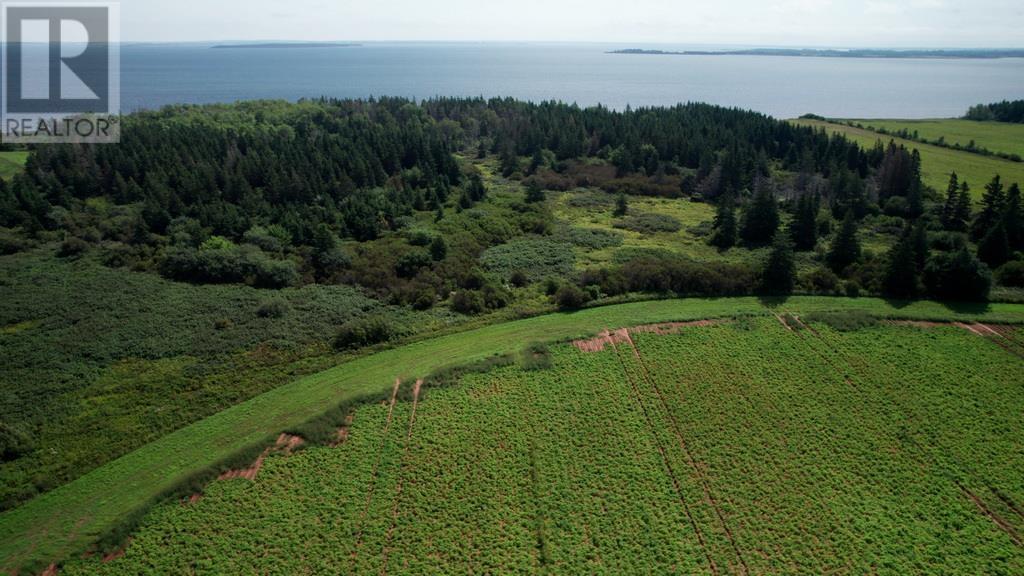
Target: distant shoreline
<point>286,45</point>
<point>815,53</point>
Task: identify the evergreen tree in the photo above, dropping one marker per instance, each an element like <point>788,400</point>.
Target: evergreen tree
<point>949,208</point>
<point>957,275</point>
<point>845,249</point>
<point>779,273</point>
<point>915,199</point>
<point>803,229</point>
<point>761,218</point>
<point>534,192</point>
<point>621,206</point>
<point>993,201</point>
<point>994,248</point>
<point>477,189</point>
<point>438,248</point>
<point>962,215</point>
<point>1013,218</point>
<point>901,277</point>
<point>724,235</point>
<point>919,239</point>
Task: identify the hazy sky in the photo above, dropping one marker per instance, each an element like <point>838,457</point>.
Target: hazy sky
<point>843,23</point>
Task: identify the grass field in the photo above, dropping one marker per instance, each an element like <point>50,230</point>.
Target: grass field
<point>938,162</point>
<point>62,523</point>
<point>12,162</point>
<point>745,447</point>
<point>995,136</point>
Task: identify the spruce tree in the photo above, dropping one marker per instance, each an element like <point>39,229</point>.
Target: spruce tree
<point>621,206</point>
<point>1013,218</point>
<point>534,192</point>
<point>901,277</point>
<point>962,215</point>
<point>915,199</point>
<point>845,249</point>
<point>919,239</point>
<point>761,218</point>
<point>779,273</point>
<point>724,235</point>
<point>950,206</point>
<point>994,248</point>
<point>803,229</point>
<point>992,203</point>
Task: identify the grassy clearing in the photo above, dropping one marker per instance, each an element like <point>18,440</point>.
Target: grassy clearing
<point>938,162</point>
<point>61,523</point>
<point>741,447</point>
<point>12,163</point>
<point>995,136</point>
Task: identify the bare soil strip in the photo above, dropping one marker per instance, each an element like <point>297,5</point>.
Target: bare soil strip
<point>598,343</point>
<point>376,466</point>
<point>385,552</point>
<point>664,455</point>
<point>708,494</point>
<point>286,444</point>
<point>342,434</point>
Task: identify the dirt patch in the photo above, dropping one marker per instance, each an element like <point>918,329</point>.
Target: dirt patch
<point>621,336</point>
<point>342,434</point>
<point>285,444</point>
<point>116,553</point>
<point>191,499</point>
<point>51,570</point>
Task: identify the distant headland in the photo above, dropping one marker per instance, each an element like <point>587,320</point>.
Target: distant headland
<point>816,53</point>
<point>288,45</point>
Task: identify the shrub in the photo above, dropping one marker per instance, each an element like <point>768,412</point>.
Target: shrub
<point>273,309</point>
<point>536,357</point>
<point>570,297</point>
<point>534,257</point>
<point>72,246</point>
<point>410,264</point>
<point>1011,274</point>
<point>468,302</point>
<point>364,332</point>
<point>594,238</point>
<point>820,281</point>
<point>14,442</point>
<point>957,276</point>
<point>649,223</point>
<point>230,264</point>
<point>519,279</point>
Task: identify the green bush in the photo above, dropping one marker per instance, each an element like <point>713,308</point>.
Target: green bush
<point>1011,274</point>
<point>365,332</point>
<point>273,309</point>
<point>14,442</point>
<point>570,297</point>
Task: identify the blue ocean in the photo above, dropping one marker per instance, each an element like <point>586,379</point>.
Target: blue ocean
<point>153,75</point>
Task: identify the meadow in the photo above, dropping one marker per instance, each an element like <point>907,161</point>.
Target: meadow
<point>64,522</point>
<point>783,442</point>
<point>1002,137</point>
<point>937,162</point>
<point>12,162</point>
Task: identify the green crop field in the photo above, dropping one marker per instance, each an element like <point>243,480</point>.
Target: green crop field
<point>757,445</point>
<point>12,162</point>
<point>1002,137</point>
<point>938,162</point>
<point>62,523</point>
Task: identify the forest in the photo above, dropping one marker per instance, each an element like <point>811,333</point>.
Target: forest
<point>1005,111</point>
<point>273,194</point>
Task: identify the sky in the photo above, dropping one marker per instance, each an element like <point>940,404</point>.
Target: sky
<point>813,23</point>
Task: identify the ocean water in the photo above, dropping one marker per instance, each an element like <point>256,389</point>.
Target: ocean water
<point>154,75</point>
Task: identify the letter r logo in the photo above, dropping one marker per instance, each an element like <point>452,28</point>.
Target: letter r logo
<point>57,59</point>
